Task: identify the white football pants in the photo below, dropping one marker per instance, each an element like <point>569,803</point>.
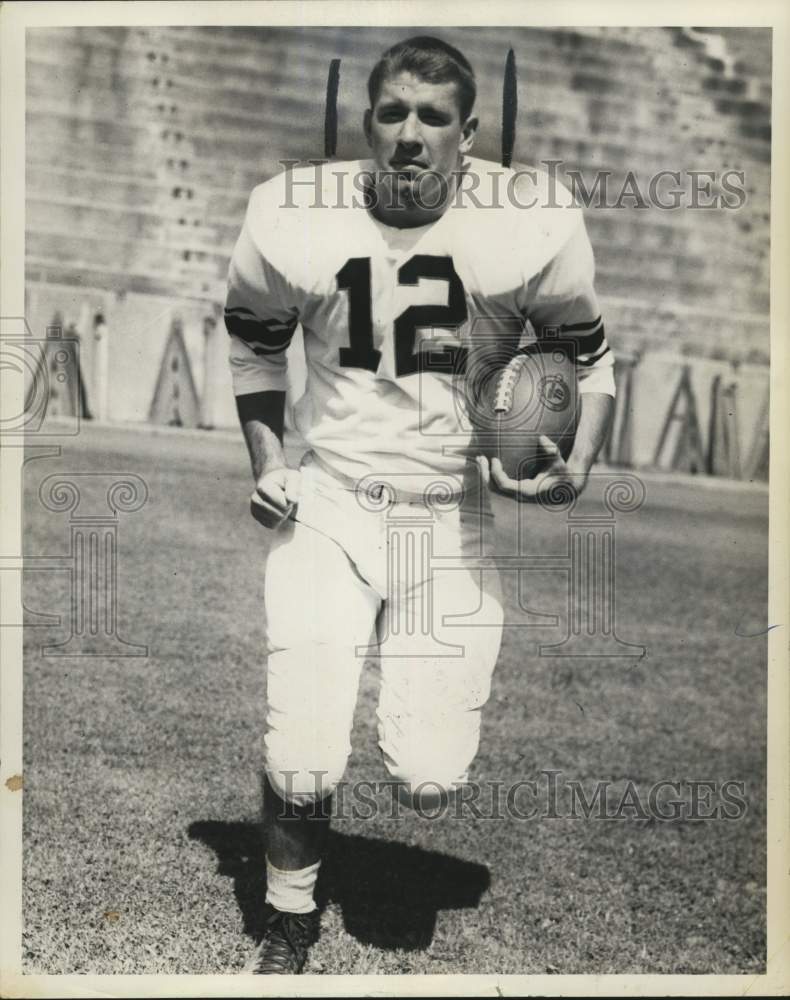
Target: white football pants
<point>357,577</point>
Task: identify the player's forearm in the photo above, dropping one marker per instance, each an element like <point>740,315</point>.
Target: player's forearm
<point>597,409</point>
<point>262,416</point>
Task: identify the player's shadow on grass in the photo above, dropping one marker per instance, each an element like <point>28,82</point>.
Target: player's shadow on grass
<point>389,893</point>
<point>240,853</point>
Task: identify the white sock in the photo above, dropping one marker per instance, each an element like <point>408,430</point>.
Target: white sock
<point>291,891</point>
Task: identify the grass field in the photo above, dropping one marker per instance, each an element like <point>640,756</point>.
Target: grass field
<point>142,848</point>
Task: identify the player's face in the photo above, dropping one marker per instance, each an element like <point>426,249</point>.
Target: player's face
<point>415,130</point>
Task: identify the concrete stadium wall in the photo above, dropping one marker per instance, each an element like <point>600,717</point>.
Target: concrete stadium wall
<point>143,145</point>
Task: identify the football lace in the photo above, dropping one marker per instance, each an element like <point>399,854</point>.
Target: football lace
<point>503,396</point>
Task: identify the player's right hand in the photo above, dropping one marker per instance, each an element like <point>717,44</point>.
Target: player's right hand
<point>275,496</point>
<point>541,488</point>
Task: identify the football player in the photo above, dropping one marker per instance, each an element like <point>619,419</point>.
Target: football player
<point>389,264</point>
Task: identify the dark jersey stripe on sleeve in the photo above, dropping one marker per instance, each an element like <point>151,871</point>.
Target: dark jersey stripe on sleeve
<point>263,336</point>
<point>587,337</point>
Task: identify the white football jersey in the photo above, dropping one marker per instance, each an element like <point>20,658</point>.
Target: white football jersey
<point>392,317</point>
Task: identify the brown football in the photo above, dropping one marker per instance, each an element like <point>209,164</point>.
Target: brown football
<point>535,393</point>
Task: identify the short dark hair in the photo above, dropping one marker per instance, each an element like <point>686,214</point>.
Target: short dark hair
<point>432,60</point>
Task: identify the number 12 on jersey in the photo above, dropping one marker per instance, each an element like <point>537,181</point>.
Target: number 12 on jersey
<point>354,278</point>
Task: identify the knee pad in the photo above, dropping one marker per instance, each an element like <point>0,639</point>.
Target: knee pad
<point>302,787</point>
<point>304,772</point>
<point>430,758</point>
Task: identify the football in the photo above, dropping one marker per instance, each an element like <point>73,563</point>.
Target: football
<point>534,394</point>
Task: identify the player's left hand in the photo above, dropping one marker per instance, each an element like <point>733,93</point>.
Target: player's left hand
<point>543,488</point>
